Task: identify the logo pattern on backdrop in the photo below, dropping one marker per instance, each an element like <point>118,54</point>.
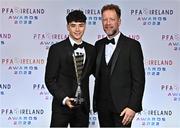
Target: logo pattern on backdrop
<point>155,67</point>
<point>151,17</point>
<point>153,118</point>
<point>22,116</point>
<point>172,40</point>
<point>21,15</point>
<point>22,66</point>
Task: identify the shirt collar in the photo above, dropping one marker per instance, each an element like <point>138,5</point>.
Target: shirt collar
<point>73,41</point>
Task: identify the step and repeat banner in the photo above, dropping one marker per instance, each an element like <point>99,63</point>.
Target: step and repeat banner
<point>29,27</point>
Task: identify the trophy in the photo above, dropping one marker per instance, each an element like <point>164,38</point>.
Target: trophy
<point>78,64</point>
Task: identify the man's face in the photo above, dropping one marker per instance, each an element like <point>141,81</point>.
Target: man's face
<point>110,22</point>
<point>76,30</point>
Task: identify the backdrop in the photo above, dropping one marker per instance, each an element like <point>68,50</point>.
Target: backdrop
<point>29,27</point>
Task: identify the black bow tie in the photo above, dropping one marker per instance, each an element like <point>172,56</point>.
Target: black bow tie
<point>112,41</point>
<point>78,46</point>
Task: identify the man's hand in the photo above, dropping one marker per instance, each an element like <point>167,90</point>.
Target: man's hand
<point>128,116</point>
<point>69,101</point>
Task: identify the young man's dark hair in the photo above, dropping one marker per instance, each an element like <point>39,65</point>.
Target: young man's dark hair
<point>77,16</point>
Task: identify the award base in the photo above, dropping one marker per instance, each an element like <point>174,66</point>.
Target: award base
<point>77,102</point>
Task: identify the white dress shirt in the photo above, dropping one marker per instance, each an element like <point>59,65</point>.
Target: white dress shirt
<point>109,48</point>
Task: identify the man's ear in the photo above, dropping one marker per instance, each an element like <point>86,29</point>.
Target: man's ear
<point>119,21</point>
<point>67,26</point>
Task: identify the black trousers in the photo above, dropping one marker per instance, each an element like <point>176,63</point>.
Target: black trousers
<point>108,117</point>
<point>76,117</point>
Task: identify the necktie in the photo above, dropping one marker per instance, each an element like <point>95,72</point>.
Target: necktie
<point>78,46</point>
<point>112,41</point>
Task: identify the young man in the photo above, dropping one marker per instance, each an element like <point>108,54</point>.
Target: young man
<point>120,76</point>
<point>63,78</point>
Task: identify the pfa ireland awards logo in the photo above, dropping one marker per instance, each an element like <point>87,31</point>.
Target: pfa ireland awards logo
<point>151,17</point>
<point>22,15</point>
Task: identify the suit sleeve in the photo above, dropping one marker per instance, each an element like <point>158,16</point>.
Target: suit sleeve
<point>137,76</point>
<point>51,74</point>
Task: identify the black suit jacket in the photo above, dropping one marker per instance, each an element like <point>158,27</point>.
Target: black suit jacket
<point>127,76</point>
<point>60,77</point>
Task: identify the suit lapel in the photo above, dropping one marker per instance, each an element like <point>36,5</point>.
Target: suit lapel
<point>69,48</point>
<point>87,61</point>
<point>116,53</point>
<point>99,57</point>
<point>70,52</point>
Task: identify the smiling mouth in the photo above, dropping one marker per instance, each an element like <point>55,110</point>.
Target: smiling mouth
<point>108,28</point>
<point>77,34</point>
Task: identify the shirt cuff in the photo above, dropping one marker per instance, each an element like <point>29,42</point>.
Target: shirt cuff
<point>64,100</point>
